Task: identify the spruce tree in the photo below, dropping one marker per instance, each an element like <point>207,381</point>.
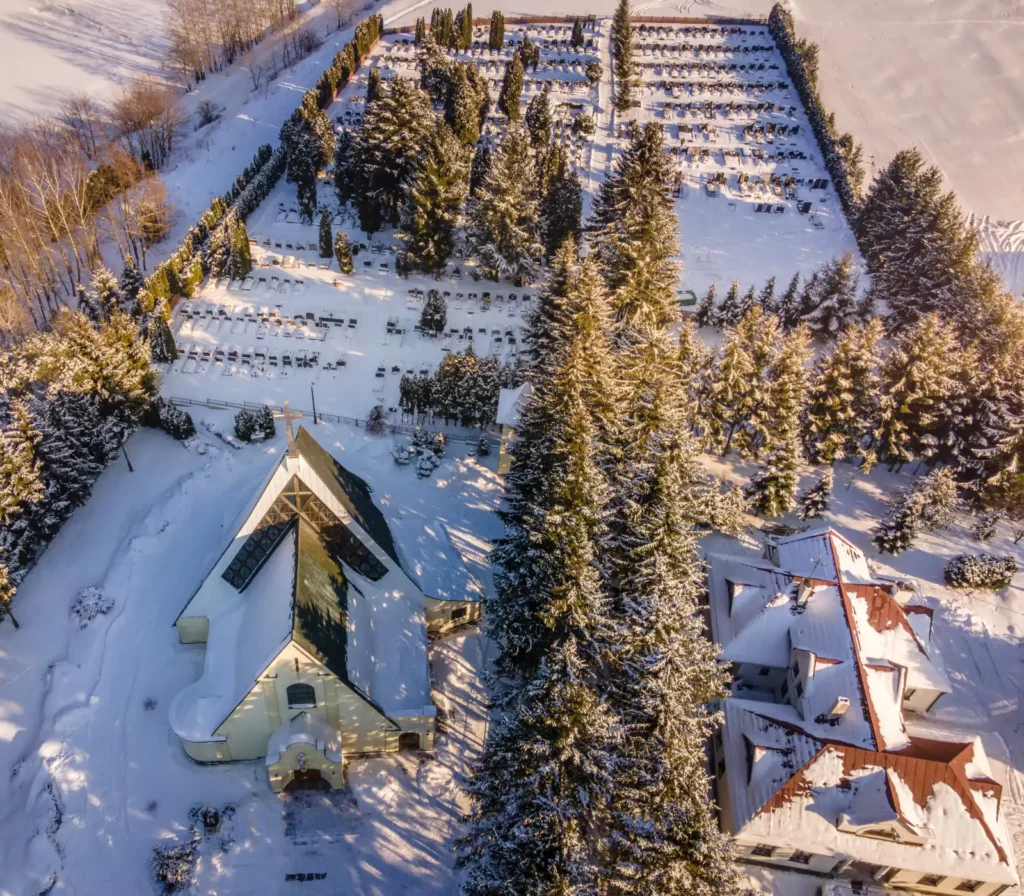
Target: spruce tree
<point>815,501</point>
<point>730,311</point>
<point>537,817</point>
<point>772,489</point>
<point>538,118</point>
<point>635,234</point>
<point>511,88</point>
<point>575,340</point>
<point>480,168</point>
<point>788,307</point>
<point>766,298</point>
<point>729,395</point>
<point>343,253</point>
<point>437,193</point>
<point>129,285</point>
<point>372,84</point>
<point>706,314</point>
<point>504,220</point>
<point>843,400</point>
<point>396,129</point>
<point>496,37</point>
<point>239,256</point>
<point>344,166</point>
<point>576,41</point>
<point>838,303</point>
<point>326,236</point>
<point>919,388</point>
<point>106,293</point>
<point>561,205</point>
<point>622,56</point>
<point>434,316</point>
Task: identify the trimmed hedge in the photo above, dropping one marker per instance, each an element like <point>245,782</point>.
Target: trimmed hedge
<point>177,276</point>
<point>847,175</point>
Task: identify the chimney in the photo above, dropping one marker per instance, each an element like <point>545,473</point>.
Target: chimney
<point>839,707</point>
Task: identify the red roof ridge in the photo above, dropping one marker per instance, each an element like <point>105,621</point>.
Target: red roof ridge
<point>876,732</point>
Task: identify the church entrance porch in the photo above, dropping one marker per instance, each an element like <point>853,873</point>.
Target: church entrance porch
<point>304,754</point>
<point>310,779</point>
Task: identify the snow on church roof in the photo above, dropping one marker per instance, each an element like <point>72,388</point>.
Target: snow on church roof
<point>367,625</point>
<point>930,807</point>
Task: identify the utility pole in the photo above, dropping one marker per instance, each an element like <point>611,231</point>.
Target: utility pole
<point>313,396</point>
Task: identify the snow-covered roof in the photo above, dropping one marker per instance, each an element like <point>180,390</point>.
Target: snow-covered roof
<point>246,632</point>
<point>304,729</point>
<point>511,403</point>
<point>337,591</point>
<point>448,562</point>
<point>819,596</point>
<point>930,807</point>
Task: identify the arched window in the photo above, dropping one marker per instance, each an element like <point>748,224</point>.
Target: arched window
<point>301,695</point>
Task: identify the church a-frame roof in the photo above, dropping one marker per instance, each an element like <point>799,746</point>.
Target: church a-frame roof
<point>351,605</point>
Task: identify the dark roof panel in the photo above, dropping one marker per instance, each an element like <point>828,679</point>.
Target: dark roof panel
<point>319,621</point>
<point>351,491</point>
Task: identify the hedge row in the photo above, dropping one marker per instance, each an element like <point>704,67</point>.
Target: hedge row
<point>841,153</point>
<point>180,274</point>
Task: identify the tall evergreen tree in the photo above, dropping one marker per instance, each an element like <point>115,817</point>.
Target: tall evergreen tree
<point>919,386</point>
<point>561,205</point>
<point>396,129</point>
<point>345,166</point>
<point>635,234</point>
<point>496,37</point>
<point>437,194</point>
<point>480,168</point>
<point>535,824</point>
<point>844,394</point>
<point>326,239</point>
<point>707,312</point>
<point>788,307</point>
<point>730,310</point>
<point>766,298</point>
<point>538,118</point>
<point>815,501</point>
<point>838,305</point>
<point>622,56</point>
<point>504,220</point>
<point>129,285</point>
<point>576,41</point>
<point>511,88</point>
<point>343,253</point>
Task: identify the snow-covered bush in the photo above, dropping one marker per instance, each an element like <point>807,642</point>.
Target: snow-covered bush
<point>985,525</point>
<point>172,420</point>
<point>245,425</point>
<point>173,866</point>
<point>483,448</point>
<point>438,443</point>
<point>980,571</point>
<point>255,425</point>
<point>377,420</point>
<point>90,603</point>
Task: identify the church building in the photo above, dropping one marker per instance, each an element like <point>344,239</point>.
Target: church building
<point>316,638</point>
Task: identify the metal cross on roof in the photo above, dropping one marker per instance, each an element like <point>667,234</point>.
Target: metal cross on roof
<point>288,416</point>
